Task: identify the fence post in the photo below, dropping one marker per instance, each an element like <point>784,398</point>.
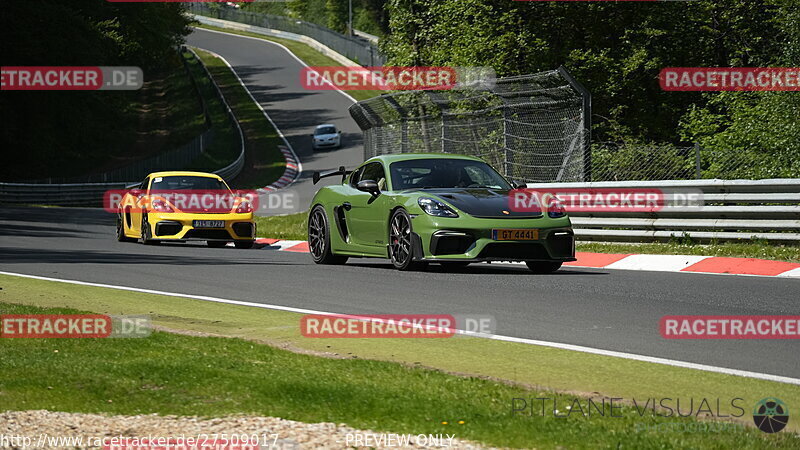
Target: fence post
<point>697,160</point>
<point>587,122</point>
<point>508,156</point>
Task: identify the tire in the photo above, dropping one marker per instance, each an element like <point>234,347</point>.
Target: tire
<point>244,244</point>
<point>147,236</point>
<point>401,246</point>
<point>543,266</point>
<point>121,231</point>
<point>319,238</point>
<point>216,244</point>
<point>454,265</point>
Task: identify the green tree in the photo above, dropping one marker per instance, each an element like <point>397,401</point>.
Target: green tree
<point>617,49</point>
<point>338,15</point>
<point>40,129</point>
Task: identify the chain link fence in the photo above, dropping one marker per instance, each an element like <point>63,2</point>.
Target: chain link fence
<point>533,128</point>
<point>357,49</point>
<point>630,162</point>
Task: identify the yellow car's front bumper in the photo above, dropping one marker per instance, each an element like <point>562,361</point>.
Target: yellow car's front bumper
<point>181,227</point>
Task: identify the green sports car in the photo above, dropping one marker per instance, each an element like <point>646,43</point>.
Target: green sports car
<point>420,208</point>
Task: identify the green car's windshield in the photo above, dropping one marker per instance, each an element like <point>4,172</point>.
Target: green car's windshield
<point>445,173</point>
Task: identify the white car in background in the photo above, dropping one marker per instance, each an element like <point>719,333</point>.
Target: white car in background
<point>326,136</point>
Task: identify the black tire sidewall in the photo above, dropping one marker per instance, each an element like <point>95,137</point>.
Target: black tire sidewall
<point>409,262</point>
<point>327,255</point>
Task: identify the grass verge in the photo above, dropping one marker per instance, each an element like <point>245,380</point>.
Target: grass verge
<point>163,374</point>
<point>290,226</point>
<point>307,54</point>
<point>265,163</point>
<point>294,227</point>
<point>234,376</point>
<point>224,149</point>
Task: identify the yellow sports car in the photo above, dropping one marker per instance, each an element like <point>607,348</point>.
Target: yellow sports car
<point>186,206</point>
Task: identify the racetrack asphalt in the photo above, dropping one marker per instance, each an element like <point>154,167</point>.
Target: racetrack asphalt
<point>607,309</point>
<point>272,75</point>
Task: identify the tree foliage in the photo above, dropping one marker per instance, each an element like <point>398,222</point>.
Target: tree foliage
<point>616,49</point>
<point>42,127</point>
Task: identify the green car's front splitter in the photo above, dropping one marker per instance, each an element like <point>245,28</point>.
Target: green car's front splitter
<point>470,239</point>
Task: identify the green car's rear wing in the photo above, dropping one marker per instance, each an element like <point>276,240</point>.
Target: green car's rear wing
<point>341,171</point>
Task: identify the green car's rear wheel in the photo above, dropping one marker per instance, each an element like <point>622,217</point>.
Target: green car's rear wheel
<point>401,246</point>
<point>319,239</point>
<point>543,266</point>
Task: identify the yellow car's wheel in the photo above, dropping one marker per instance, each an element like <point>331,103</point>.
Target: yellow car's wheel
<point>121,232</point>
<point>147,234</point>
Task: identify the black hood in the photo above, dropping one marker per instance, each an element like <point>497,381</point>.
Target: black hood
<point>481,202</point>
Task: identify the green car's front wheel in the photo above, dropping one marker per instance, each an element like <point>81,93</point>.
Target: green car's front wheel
<point>401,246</point>
<point>319,238</point>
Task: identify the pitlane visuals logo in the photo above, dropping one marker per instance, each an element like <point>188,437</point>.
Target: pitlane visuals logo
<point>771,415</point>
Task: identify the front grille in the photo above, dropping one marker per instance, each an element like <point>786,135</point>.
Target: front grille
<point>244,229</point>
<point>562,246</point>
<point>514,251</point>
<point>207,234</point>
<point>451,245</point>
<point>168,228</point>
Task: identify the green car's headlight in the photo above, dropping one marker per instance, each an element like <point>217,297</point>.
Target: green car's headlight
<point>436,208</point>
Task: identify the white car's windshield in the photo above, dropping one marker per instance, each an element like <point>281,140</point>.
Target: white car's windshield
<point>325,130</point>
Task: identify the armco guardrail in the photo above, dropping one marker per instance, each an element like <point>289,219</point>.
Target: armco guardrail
<point>84,194</point>
<point>91,194</point>
<point>238,26</point>
<point>732,210</point>
<point>360,50</point>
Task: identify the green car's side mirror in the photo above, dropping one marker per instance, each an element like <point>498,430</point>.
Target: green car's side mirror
<point>368,186</point>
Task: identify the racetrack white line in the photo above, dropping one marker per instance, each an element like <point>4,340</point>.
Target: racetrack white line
<point>578,348</point>
<point>280,133</point>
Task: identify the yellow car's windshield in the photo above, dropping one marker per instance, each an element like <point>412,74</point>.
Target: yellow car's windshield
<point>185,183</point>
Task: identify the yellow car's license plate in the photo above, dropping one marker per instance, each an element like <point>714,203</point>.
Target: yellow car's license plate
<point>515,235</point>
<point>208,223</point>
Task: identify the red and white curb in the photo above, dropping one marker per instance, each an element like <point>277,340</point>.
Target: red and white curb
<point>289,175</point>
<point>658,263</point>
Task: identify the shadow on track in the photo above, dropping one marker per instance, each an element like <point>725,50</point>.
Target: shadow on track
<point>479,269</point>
<point>44,256</point>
